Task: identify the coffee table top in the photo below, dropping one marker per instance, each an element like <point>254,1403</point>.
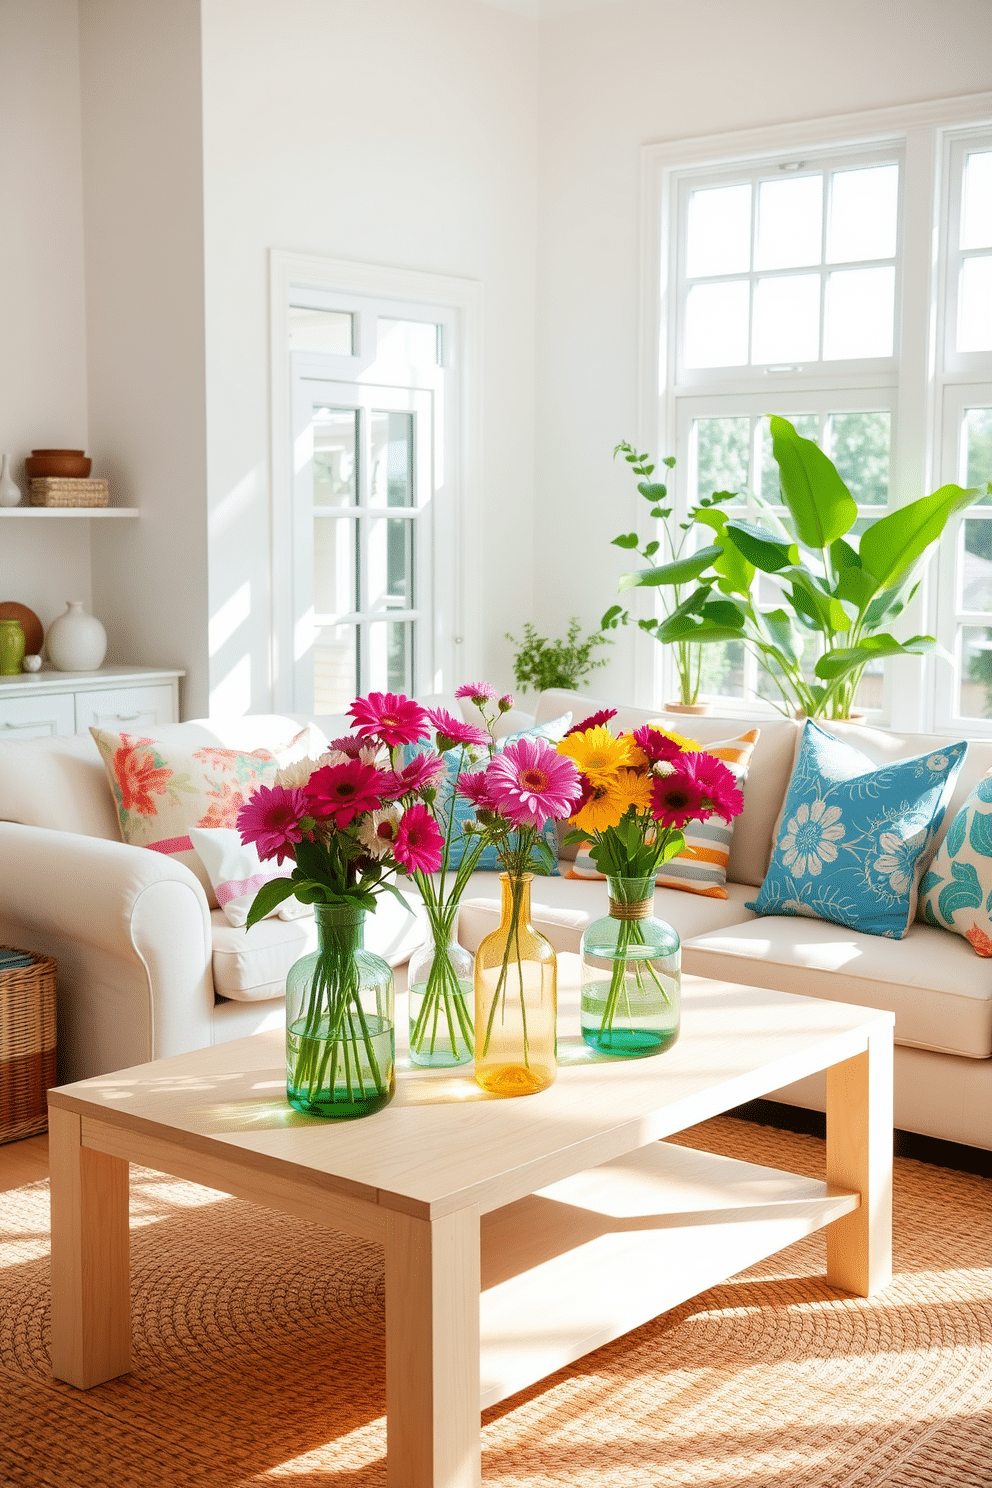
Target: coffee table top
<point>443,1144</point>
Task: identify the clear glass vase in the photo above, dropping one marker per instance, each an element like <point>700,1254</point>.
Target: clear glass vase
<point>631,974</point>
<point>440,982</point>
<point>516,991</point>
<point>340,1034</point>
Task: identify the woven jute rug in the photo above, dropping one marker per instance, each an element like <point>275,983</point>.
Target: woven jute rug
<point>259,1359</point>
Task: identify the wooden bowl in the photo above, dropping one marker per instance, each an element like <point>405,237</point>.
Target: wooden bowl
<point>69,464</point>
<point>34,635</point>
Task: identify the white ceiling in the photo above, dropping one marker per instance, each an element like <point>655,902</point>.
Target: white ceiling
<point>543,10</point>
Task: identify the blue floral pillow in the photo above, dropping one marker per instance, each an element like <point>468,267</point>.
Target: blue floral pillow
<point>854,835</point>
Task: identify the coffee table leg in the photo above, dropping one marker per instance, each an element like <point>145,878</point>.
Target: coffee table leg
<point>859,1155</point>
<point>432,1351</point>
<point>91,1300</point>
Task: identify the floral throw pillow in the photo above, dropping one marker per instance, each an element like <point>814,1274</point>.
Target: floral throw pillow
<point>162,789</point>
<point>957,891</point>
<point>854,835</point>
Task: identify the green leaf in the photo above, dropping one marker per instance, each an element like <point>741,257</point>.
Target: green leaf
<point>893,544</point>
<point>820,504</point>
<point>701,631</point>
<point>682,571</point>
<point>626,540</point>
<point>311,860</point>
<point>812,598</point>
<point>980,833</point>
<point>780,633</point>
<point>611,619</point>
<point>652,490</point>
<point>651,548</point>
<point>268,898</point>
<point>965,892</point>
<point>843,556</point>
<point>761,547</point>
<point>841,660</point>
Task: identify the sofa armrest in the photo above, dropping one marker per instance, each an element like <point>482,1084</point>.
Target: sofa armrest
<point>130,930</point>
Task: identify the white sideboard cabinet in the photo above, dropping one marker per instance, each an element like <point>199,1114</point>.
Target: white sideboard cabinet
<point>35,705</point>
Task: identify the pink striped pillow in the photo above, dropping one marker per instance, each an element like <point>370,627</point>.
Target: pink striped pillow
<point>237,873</point>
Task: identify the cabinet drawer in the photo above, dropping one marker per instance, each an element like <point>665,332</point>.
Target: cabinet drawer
<point>127,708</point>
<point>37,717</point>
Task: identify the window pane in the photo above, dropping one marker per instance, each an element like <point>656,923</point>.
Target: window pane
<point>858,444</point>
<point>335,668</point>
<point>863,206</point>
<point>978,447</point>
<point>721,454</point>
<point>790,220</point>
<point>392,459</point>
<point>976,214</point>
<point>414,342</point>
<point>871,688</point>
<point>860,304</point>
<point>716,325</point>
<point>976,672</point>
<point>976,565</point>
<point>975,305</point>
<point>721,672</point>
<point>335,562</point>
<point>321,330</point>
<point>787,319</point>
<point>335,465</point>
<point>807,425</point>
<point>719,233</point>
<point>390,657</point>
<point>390,564</point>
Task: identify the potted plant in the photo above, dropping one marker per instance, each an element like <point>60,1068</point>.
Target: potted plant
<point>540,663</point>
<point>840,596</point>
<point>681,574</point>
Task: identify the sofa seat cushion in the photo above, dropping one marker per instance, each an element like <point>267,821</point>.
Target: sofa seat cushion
<point>562,908</point>
<point>940,993</point>
<point>251,965</point>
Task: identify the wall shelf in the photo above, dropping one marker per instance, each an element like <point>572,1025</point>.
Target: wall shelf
<point>92,513</point>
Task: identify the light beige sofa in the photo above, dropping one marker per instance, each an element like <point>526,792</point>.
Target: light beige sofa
<point>147,969</point>
<point>938,988</point>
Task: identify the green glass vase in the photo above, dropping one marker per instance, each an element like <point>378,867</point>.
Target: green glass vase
<point>631,975</point>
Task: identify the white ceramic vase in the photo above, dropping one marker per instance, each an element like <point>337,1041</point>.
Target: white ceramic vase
<point>10,491</point>
<point>76,641</point>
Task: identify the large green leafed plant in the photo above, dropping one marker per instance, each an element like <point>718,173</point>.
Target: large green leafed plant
<point>839,595</point>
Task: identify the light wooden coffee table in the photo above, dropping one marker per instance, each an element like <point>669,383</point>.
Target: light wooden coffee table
<point>563,1211</point>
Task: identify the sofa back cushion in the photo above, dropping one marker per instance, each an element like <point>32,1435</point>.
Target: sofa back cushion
<point>768,773</point>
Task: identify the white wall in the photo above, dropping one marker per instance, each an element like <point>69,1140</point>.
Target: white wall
<point>42,331</point>
<point>393,132</point>
<point>143,190</point>
<point>616,78</point>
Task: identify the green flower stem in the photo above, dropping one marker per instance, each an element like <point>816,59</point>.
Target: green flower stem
<point>335,994</point>
<point>499,997</point>
<point>630,933</point>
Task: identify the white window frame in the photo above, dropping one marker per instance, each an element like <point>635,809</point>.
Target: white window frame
<point>456,617</point>
<point>922,132</point>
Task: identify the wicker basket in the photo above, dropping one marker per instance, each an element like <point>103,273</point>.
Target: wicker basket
<point>27,1048</point>
<point>53,490</point>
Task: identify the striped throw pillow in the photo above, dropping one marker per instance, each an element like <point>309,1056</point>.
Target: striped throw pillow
<point>702,867</point>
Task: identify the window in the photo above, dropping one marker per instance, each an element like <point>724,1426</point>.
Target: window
<point>798,278</point>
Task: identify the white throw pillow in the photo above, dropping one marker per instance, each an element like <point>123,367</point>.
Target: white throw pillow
<point>237,873</point>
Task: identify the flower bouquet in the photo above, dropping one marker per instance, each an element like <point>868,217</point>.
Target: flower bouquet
<point>639,790</point>
<point>349,822</point>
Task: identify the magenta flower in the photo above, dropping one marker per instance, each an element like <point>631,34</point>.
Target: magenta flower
<point>425,771</point>
<point>656,745</point>
<point>473,785</point>
<point>595,720</point>
<point>531,782</point>
<point>481,693</point>
<point>349,744</point>
<point>719,787</point>
<point>418,845</point>
<point>505,703</point>
<point>451,732</point>
<point>271,819</point>
<point>339,793</point>
<point>677,799</point>
<point>389,716</point>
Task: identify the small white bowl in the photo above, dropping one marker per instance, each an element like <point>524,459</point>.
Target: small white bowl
<point>31,663</point>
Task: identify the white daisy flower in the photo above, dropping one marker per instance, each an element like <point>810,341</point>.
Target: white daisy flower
<point>810,837</point>
<point>377,831</point>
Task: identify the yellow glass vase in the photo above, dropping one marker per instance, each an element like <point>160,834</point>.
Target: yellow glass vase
<point>516,1000</point>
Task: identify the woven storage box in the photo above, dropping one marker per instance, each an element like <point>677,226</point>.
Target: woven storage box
<point>27,1048</point>
<point>52,490</point>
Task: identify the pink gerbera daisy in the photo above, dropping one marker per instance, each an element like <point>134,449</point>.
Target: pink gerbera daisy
<point>657,745</point>
<point>720,790</point>
<point>595,720</point>
<point>389,716</point>
<point>480,693</point>
<point>530,783</point>
<point>473,785</point>
<point>452,732</point>
<point>425,771</point>
<point>677,799</point>
<point>339,793</point>
<point>271,819</point>
<point>349,744</point>
<point>418,845</point>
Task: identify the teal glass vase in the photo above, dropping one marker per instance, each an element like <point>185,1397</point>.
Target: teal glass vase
<point>631,975</point>
<point>442,996</point>
<point>340,1030</point>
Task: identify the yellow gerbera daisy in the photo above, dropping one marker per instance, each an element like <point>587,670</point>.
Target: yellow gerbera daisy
<point>603,809</point>
<point>597,754</point>
<point>632,789</point>
<point>693,745</point>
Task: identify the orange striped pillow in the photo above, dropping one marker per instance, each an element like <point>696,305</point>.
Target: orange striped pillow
<point>702,867</point>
